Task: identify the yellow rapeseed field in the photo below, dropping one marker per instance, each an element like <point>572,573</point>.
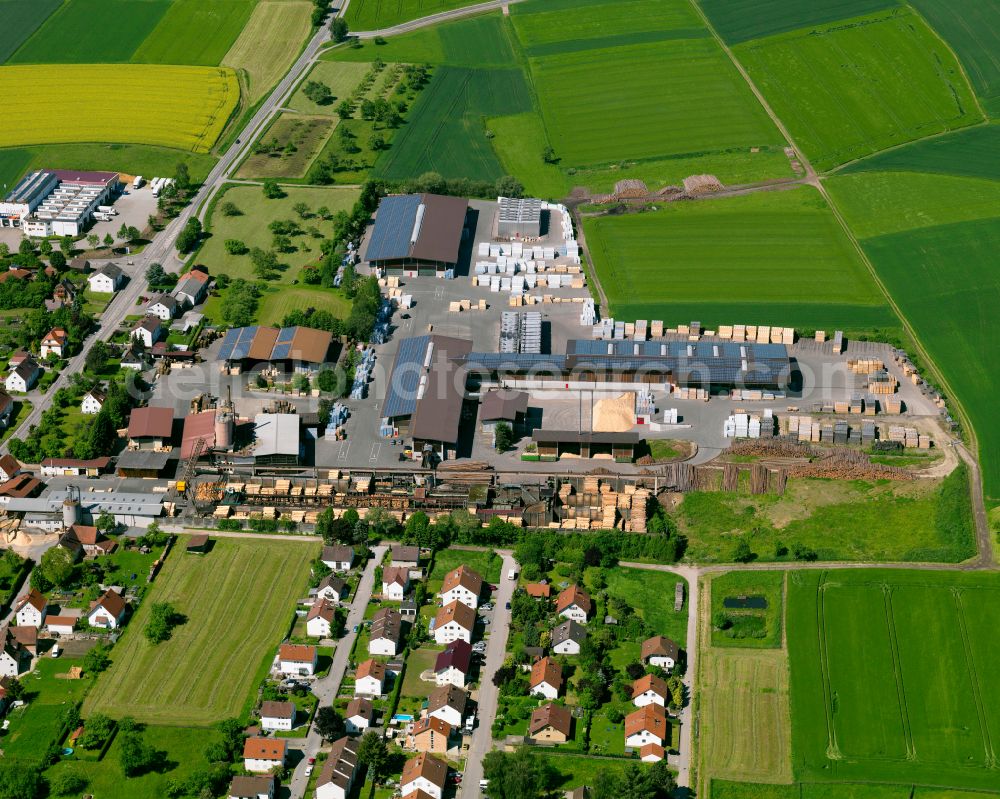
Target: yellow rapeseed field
<point>172,106</point>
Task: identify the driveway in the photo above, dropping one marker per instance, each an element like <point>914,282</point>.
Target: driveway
<point>496,652</point>
<point>327,688</point>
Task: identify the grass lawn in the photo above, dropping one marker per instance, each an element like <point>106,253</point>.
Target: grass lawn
<point>775,256</point>
<point>364,15</point>
<point>193,32</point>
<point>305,134</point>
<point>486,563</point>
<point>341,76</point>
<point>576,770</point>
<point>859,645</point>
<point>206,670</point>
<point>742,20</point>
<point>651,593</point>
<point>418,661</point>
<point>751,627</point>
<point>18,414</point>
<point>278,302</point>
<point>606,737</point>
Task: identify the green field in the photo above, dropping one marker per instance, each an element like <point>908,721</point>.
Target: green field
<point>776,257</point>
<point>274,305</point>
<point>305,134</point>
<point>92,32</point>
<point>194,32</point>
<point>849,89</point>
<point>722,789</point>
<point>741,20</point>
<point>752,628</point>
<point>868,650</point>
<point>205,672</point>
<point>368,15</point>
<point>341,76</point>
<point>972,28</point>
<point>485,563</point>
<point>446,133</point>
<point>855,520</point>
<point>21,18</point>
<point>598,105</point>
<point>651,593</point>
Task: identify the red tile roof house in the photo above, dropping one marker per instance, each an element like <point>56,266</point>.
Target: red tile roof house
<point>359,715</point>
<point>336,778</point>
<point>649,690</point>
<point>453,664</point>
<point>461,585</point>
<point>108,611</point>
<point>424,773</point>
<point>369,679</point>
<point>150,427</point>
<point>54,343</point>
<point>546,678</point>
<point>455,621</point>
<point>263,754</point>
<point>448,703</point>
<point>82,540</point>
<point>574,603</point>
<point>321,618</point>
<point>9,467</point>
<point>660,651</point>
<point>647,725</point>
<point>395,582</point>
<point>297,660</point>
<point>30,609</point>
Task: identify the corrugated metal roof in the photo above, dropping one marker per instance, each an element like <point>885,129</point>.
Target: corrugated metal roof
<point>276,434</point>
<point>426,227</point>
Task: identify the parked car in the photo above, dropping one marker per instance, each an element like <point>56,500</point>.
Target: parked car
<point>507,605</point>
<point>309,770</point>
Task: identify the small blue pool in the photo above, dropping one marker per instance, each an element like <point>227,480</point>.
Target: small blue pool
<point>67,751</point>
<point>403,717</point>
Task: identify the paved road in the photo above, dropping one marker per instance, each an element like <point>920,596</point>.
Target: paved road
<point>434,19</point>
<point>297,537</point>
<point>496,652</point>
<point>327,688</point>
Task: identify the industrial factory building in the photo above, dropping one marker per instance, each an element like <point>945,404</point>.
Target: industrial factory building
<point>57,202</point>
<point>417,234</point>
<point>59,510</point>
<point>303,349</point>
<point>518,218</point>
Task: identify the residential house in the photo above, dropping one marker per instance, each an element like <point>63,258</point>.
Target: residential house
<point>369,679</point>
<point>24,486</point>
<point>74,467</point>
<point>108,611</point>
<point>6,408</point>
<point>359,715</point>
<point>431,734</point>
<point>332,589</point>
<point>164,307</point>
<point>255,787</point>
<point>297,660</point>
<point>395,582</point>
<point>60,625</point>
<point>23,377</point>
<point>386,633</point>
<point>546,678</point>
<point>647,725</point>
<point>448,703</point>
<point>263,754</point>
<point>92,402</point>
<point>30,609</point>
<point>9,467</point>
<point>405,555</point>
<point>133,359</point>
<point>62,295</point>
<point>538,590</point>
<point>27,637</point>
<point>550,723</point>
<point>660,651</point>
<point>148,330</point>
<point>106,280</point>
<point>338,557</point>
<point>574,603</point>
<point>336,778</point>
<point>454,622</point>
<point>451,667</point>
<point>277,715</point>
<point>14,659</point>
<point>650,690</point>
<point>424,773</point>
<point>568,637</point>
<point>462,585</point>
<point>321,618</point>
<point>54,343</point>
<point>192,287</point>
<point>82,541</point>
<point>15,273</point>
<point>652,753</point>
<point>150,427</point>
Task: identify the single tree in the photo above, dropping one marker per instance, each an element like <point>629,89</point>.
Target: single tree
<point>57,261</point>
<point>97,357</point>
<point>329,723</point>
<point>374,753</point>
<point>108,240</point>
<point>272,191</point>
<point>56,566</point>
<point>182,178</point>
<point>230,209</point>
<point>503,436</point>
<point>93,240</point>
<point>338,29</point>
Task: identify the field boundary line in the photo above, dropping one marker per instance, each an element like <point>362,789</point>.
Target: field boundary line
<point>897,670</point>
<point>832,749</point>
<point>977,693</point>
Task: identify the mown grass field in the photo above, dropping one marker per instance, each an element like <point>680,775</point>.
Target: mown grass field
<point>269,43</point>
<point>848,89</point>
<point>92,32</point>
<point>651,593</point>
<point>751,628</point>
<point>172,106</point>
<point>194,32</point>
<point>723,789</point>
<point>850,521</point>
<point>598,105</point>
<point>972,28</point>
<point>892,677</point>
<point>765,254</point>
<point>369,15</point>
<point>205,672</point>
<point>745,729</point>
<point>341,76</point>
<point>741,20</point>
<point>306,134</point>
<point>21,18</point>
<point>274,305</point>
<point>446,133</point>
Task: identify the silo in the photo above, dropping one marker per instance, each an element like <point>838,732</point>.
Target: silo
<point>224,427</point>
<point>71,512</point>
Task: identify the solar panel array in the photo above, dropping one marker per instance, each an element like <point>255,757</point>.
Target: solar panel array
<point>515,362</point>
<point>237,342</point>
<point>283,346</point>
<point>401,395</point>
<point>393,227</point>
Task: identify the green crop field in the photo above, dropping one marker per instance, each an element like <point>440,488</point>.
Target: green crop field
<point>447,133</point>
<point>741,20</point>
<point>172,106</point>
<point>341,76</point>
<point>647,100</point>
<point>849,89</point>
<point>368,15</point>
<point>194,32</point>
<point>972,28</point>
<point>892,676</point>
<point>973,152</point>
<point>752,252</point>
<point>205,671</point>
<point>92,32</point>
<point>722,789</point>
<point>756,628</point>
<point>946,280</point>
<point>21,18</point>
<point>269,43</point>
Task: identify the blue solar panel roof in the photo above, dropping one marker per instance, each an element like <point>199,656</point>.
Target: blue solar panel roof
<point>236,344</point>
<point>393,227</point>
<point>283,345</point>
<point>401,395</point>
